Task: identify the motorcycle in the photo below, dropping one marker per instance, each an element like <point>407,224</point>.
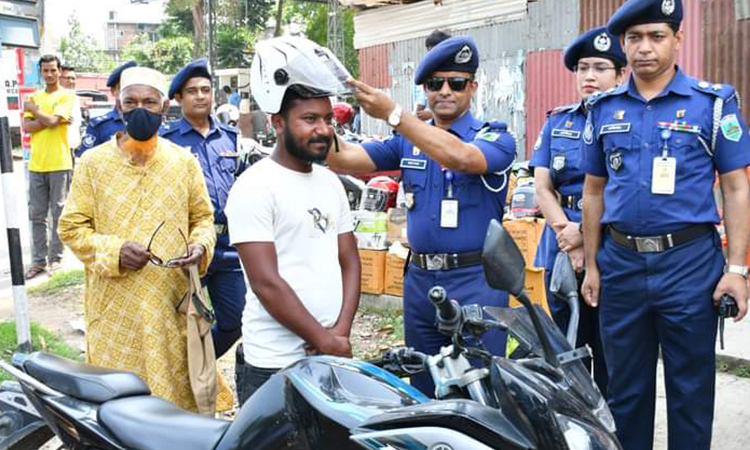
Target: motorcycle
<point>543,400</point>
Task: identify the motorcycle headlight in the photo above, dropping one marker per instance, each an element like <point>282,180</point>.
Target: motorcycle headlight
<point>604,415</point>
<point>582,436</point>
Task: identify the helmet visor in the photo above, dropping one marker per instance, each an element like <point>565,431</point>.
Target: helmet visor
<point>321,71</point>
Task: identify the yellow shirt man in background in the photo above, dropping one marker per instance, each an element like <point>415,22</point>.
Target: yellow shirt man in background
<point>46,117</point>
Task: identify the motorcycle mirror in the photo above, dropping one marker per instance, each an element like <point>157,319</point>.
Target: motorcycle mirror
<point>563,282</point>
<point>504,266</point>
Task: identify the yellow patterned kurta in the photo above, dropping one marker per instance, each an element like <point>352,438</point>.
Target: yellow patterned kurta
<point>131,320</point>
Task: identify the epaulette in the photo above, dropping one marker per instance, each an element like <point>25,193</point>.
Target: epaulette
<point>562,109</point>
<point>599,95</point>
<point>228,128</point>
<point>99,119</point>
<point>725,91</point>
<point>490,130</point>
<point>167,128</point>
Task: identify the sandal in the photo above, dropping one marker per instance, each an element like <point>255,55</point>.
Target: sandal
<point>35,271</point>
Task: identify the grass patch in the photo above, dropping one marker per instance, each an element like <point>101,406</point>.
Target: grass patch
<point>734,367</point>
<point>41,339</point>
<point>59,282</point>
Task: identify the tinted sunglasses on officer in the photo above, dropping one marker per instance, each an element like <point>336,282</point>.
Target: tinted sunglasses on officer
<point>457,84</point>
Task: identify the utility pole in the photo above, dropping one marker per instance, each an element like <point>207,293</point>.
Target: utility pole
<point>12,196</point>
<point>335,30</point>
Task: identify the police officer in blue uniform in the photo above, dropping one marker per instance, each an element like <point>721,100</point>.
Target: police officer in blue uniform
<point>597,60</point>
<point>454,172</point>
<point>101,128</point>
<point>652,148</point>
<point>215,146</point>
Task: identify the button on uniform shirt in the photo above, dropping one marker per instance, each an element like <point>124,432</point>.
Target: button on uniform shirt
<point>425,179</point>
<point>623,135</point>
<point>217,154</point>
<point>100,130</point>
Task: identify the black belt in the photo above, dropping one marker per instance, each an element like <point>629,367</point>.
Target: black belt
<point>445,261</point>
<point>655,244</point>
<point>574,202</point>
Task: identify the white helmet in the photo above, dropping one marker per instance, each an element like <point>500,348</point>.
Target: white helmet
<point>228,114</point>
<point>287,61</point>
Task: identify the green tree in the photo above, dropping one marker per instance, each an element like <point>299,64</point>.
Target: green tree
<point>167,55</point>
<point>81,50</point>
<point>234,47</point>
<point>314,19</point>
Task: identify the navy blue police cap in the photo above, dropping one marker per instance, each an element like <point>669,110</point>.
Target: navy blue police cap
<point>197,68</point>
<point>458,54</point>
<point>114,77</point>
<point>595,42</point>
<point>639,12</point>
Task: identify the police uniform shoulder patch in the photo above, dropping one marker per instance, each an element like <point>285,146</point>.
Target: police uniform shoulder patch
<point>730,128</point>
<point>88,140</point>
<point>588,132</point>
<point>538,142</point>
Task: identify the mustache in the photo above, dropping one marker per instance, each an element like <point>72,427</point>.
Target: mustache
<point>321,140</point>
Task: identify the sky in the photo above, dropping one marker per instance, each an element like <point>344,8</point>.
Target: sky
<point>93,15</point>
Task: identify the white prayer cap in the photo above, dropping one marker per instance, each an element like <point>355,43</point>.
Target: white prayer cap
<point>144,76</point>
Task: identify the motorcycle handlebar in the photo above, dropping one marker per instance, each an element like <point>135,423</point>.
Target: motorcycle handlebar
<point>448,311</point>
<point>401,361</point>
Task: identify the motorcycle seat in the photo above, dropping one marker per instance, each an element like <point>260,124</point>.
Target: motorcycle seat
<point>151,423</point>
<point>82,381</point>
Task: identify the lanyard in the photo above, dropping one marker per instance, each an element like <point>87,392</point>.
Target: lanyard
<point>665,135</point>
<point>448,177</point>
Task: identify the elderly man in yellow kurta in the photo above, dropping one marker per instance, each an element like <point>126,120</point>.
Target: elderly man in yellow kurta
<point>123,191</point>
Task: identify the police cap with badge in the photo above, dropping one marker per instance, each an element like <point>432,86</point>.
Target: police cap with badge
<point>456,54</point>
<point>193,69</point>
<point>596,42</point>
<point>114,77</point>
<point>639,12</point>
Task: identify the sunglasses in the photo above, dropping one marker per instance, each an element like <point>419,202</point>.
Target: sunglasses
<point>456,84</point>
<point>155,260</point>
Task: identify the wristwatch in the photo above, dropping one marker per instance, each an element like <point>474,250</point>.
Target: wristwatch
<point>736,268</point>
<point>394,118</point>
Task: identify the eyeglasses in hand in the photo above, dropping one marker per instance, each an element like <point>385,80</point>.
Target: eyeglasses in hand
<point>155,260</point>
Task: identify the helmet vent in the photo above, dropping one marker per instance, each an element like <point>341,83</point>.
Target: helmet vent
<point>281,77</point>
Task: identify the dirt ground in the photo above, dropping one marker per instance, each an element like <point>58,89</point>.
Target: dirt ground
<point>372,332</point>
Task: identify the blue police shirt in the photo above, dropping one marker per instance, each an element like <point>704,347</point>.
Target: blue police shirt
<point>623,135</point>
<point>100,130</point>
<point>217,154</point>
<point>559,148</point>
<point>425,179</point>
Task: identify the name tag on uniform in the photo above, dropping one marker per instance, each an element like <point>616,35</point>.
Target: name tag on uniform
<point>449,213</point>
<point>410,163</point>
<point>229,154</point>
<point>663,175</point>
<point>570,134</point>
<point>615,128</point>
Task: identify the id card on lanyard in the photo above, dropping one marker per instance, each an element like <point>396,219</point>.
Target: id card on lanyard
<point>449,205</point>
<point>664,169</point>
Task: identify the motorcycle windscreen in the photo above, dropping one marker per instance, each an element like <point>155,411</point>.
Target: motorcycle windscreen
<point>519,325</point>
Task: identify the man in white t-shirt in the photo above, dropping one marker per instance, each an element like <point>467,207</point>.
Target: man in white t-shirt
<point>291,224</point>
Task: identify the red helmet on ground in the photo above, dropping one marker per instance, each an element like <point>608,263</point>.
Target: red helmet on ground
<point>342,112</point>
<point>380,194</point>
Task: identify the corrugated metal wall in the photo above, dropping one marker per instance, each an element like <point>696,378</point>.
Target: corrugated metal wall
<point>373,66</point>
<point>549,24</point>
<point>690,58</point>
<point>727,53</point>
<point>548,84</point>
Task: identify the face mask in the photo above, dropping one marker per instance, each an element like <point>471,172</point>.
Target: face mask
<point>141,123</point>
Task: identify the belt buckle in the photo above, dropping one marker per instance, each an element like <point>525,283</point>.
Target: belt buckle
<point>648,244</point>
<point>435,262</point>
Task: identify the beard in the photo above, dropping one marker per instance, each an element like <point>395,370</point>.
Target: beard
<point>140,150</point>
<point>302,152</point>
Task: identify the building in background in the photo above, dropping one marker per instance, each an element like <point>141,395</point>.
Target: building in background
<point>521,43</point>
<point>125,25</point>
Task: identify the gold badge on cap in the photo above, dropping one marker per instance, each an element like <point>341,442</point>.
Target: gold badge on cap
<point>602,42</point>
<point>667,7</point>
<point>681,113</point>
<point>464,55</point>
<point>619,114</point>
